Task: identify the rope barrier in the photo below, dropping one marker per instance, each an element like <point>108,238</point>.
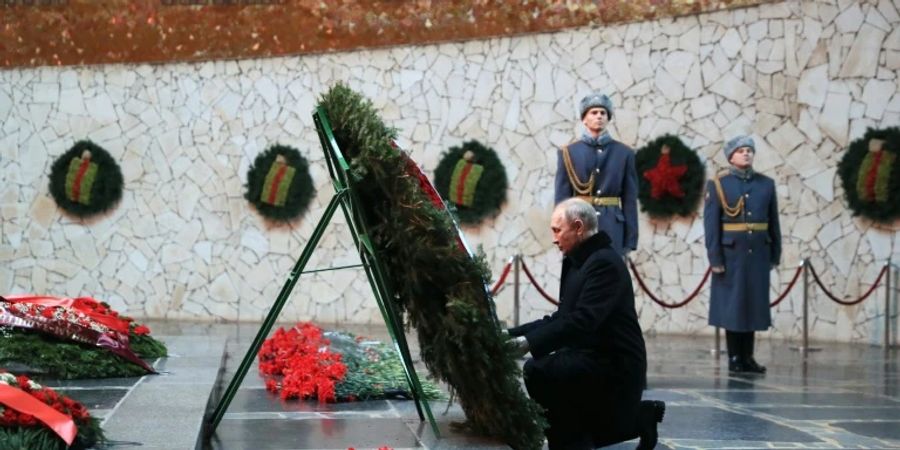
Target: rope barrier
<point>537,286</point>
<point>848,302</point>
<point>662,303</point>
<point>498,286</point>
<point>790,286</point>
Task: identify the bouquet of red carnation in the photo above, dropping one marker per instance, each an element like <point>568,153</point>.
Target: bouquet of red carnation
<point>304,362</point>
<point>38,418</point>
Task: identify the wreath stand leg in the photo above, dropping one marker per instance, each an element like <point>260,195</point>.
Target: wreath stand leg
<point>345,197</point>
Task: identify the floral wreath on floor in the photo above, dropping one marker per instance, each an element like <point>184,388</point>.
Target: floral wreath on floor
<point>34,417</point>
<point>304,362</point>
<point>870,177</point>
<point>71,338</point>
<point>279,185</point>
<point>85,180</point>
<point>671,178</point>
<point>473,179</point>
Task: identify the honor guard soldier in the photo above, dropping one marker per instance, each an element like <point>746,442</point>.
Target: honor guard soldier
<point>743,243</point>
<point>601,171</point>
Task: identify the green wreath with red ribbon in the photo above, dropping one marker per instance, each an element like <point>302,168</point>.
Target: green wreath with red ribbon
<point>670,178</point>
<point>870,177</point>
<point>86,180</point>
<point>279,185</point>
<point>472,179</point>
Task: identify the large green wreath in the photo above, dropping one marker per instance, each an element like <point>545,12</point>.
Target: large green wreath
<point>283,197</point>
<point>487,196</point>
<point>439,288</point>
<point>685,200</point>
<point>868,173</point>
<point>85,180</point>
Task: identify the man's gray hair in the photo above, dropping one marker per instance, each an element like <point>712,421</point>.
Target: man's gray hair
<point>578,209</point>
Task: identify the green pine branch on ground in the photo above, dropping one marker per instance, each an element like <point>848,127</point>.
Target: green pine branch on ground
<point>70,360</point>
<point>438,287</point>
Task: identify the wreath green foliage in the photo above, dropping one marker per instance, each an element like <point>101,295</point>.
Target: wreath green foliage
<point>90,435</point>
<point>691,182</point>
<point>106,190</point>
<point>490,192</point>
<point>299,194</point>
<point>848,170</point>
<point>439,288</point>
<point>69,360</point>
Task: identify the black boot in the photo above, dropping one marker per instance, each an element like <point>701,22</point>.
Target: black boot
<point>735,353</point>
<point>651,413</point>
<point>750,364</point>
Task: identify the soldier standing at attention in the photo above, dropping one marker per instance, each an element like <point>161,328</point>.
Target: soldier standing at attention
<point>601,171</point>
<point>743,243</point>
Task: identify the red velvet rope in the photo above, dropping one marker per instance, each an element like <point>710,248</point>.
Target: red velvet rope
<point>498,286</point>
<point>849,302</point>
<point>537,286</point>
<point>662,303</point>
<point>786,291</point>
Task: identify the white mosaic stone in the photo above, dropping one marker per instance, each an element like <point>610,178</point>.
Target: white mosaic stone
<point>850,19</point>
<point>835,116</point>
<point>862,60</point>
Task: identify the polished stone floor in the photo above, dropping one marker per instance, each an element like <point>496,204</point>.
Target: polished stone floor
<point>843,396</point>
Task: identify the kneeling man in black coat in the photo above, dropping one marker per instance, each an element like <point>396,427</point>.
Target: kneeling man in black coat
<point>589,365</point>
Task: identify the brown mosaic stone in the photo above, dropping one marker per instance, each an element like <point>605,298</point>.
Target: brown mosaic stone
<point>77,32</point>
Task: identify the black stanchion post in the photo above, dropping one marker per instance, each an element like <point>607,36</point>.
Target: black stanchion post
<point>517,263</point>
<point>805,347</point>
<point>887,308</point>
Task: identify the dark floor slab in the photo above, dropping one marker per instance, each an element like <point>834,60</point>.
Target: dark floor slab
<point>697,382</point>
<point>261,400</point>
<point>95,398</point>
<point>803,398</point>
<point>827,413</point>
<point>881,429</point>
<point>266,434</point>
<point>709,423</point>
<point>98,383</point>
<point>667,396</point>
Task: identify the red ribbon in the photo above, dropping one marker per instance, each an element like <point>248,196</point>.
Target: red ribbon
<point>461,187</point>
<point>76,186</point>
<point>86,305</point>
<point>23,402</point>
<point>273,191</point>
<point>872,177</point>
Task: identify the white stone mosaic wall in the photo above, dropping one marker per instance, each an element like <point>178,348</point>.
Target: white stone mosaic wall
<point>805,78</point>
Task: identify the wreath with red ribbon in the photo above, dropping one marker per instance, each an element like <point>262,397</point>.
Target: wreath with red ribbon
<point>870,177</point>
<point>279,185</point>
<point>472,179</point>
<point>670,178</point>
<point>86,180</point>
<point>38,418</point>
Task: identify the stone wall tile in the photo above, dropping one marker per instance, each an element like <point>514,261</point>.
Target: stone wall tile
<point>862,60</point>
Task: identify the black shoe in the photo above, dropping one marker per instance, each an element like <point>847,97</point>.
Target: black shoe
<point>736,364</point>
<point>750,365</point>
<point>652,412</point>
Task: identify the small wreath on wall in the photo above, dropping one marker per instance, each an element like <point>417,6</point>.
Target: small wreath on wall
<point>670,178</point>
<point>473,180</point>
<point>86,180</point>
<point>870,177</point>
<point>279,185</point>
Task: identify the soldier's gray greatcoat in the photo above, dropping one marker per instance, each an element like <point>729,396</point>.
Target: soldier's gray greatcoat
<point>739,300</point>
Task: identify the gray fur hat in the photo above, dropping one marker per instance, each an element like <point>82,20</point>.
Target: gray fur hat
<point>596,100</point>
<point>736,143</point>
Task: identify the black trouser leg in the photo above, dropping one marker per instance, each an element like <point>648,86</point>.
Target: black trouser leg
<point>734,342</point>
<point>749,360</point>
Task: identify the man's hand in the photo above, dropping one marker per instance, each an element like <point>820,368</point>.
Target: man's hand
<point>519,345</point>
<point>718,269</point>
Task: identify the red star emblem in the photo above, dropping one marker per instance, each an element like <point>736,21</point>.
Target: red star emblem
<point>664,177</point>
